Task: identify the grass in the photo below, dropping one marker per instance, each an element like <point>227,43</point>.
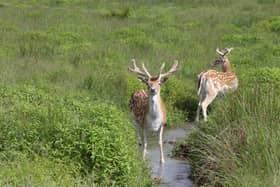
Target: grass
<point>239,146</point>
<point>83,48</point>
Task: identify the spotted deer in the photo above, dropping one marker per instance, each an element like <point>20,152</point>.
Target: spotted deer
<point>213,83</point>
<point>147,108</point>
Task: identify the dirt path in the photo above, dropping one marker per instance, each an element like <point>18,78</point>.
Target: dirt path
<point>174,172</point>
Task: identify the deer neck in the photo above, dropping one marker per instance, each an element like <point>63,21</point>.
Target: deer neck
<point>227,66</point>
<point>154,104</point>
<point>155,116</point>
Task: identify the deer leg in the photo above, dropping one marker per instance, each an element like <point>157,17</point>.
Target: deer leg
<point>204,111</point>
<point>206,103</point>
<point>198,111</point>
<point>144,142</point>
<point>160,144</point>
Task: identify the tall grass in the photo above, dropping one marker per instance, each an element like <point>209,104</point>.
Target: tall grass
<point>239,146</point>
<point>83,47</point>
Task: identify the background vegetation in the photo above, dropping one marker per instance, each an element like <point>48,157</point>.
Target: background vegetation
<point>65,88</point>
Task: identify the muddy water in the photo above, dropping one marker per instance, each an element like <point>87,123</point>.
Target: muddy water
<point>174,172</point>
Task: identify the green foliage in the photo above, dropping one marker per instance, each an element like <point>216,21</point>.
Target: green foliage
<point>118,13</point>
<point>181,103</point>
<point>136,38</point>
<point>19,170</point>
<point>78,51</point>
<point>243,131</point>
<point>238,39</point>
<point>273,24</point>
<point>94,137</point>
<point>56,2</point>
<point>132,85</point>
<point>36,44</point>
<point>268,76</point>
<point>267,1</point>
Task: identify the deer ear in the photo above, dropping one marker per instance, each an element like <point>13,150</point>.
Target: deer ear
<point>163,80</point>
<point>142,79</point>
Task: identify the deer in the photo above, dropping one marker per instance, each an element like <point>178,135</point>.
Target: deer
<point>214,83</point>
<point>147,107</point>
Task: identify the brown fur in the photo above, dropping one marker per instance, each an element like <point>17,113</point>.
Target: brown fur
<point>214,83</point>
<point>139,106</point>
<point>226,77</point>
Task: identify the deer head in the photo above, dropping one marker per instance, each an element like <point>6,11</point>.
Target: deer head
<point>153,83</point>
<point>223,56</point>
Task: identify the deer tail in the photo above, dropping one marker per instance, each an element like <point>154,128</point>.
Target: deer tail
<point>201,83</point>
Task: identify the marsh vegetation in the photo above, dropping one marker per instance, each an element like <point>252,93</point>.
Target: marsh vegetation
<point>65,89</point>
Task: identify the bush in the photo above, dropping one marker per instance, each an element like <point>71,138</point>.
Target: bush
<point>180,99</point>
<point>273,24</point>
<point>95,137</point>
<point>265,77</point>
<point>19,170</point>
<point>118,13</point>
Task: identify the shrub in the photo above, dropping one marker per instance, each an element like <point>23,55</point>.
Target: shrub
<point>180,100</point>
<point>273,24</point>
<point>118,13</point>
<point>19,170</point>
<point>95,137</point>
<point>266,77</point>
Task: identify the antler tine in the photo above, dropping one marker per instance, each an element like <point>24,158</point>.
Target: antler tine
<point>146,71</point>
<point>161,69</point>
<point>228,50</point>
<point>172,70</point>
<point>133,62</point>
<point>135,69</point>
<point>219,52</point>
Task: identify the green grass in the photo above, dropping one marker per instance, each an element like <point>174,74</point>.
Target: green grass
<point>80,50</point>
<point>94,139</point>
<point>239,146</point>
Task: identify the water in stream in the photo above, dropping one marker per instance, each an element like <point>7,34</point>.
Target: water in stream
<point>174,172</point>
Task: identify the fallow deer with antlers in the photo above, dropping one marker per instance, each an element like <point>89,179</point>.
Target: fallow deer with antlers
<point>147,107</point>
<point>212,83</point>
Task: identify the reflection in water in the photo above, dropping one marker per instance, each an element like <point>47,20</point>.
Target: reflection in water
<point>158,173</point>
<point>173,173</point>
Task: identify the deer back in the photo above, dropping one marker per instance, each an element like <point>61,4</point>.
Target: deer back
<point>222,81</point>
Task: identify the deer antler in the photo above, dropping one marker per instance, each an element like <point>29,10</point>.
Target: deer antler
<point>171,71</point>
<point>161,69</point>
<point>228,50</point>
<point>225,52</point>
<point>146,71</point>
<point>137,70</point>
<point>219,52</point>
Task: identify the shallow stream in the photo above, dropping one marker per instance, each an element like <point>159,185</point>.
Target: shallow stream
<point>174,172</point>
